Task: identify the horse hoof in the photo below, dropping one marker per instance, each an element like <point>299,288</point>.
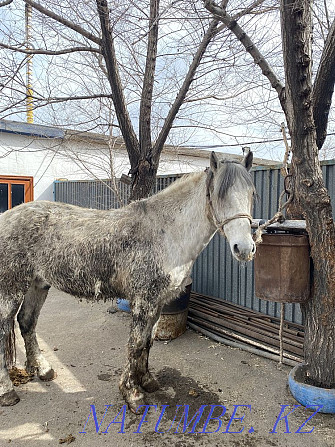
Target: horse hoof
<point>150,384</point>
<point>135,402</point>
<point>134,398</point>
<point>137,406</point>
<point>49,375</point>
<point>31,369</point>
<point>9,399</point>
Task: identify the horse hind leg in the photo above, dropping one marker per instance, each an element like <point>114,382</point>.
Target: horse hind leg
<point>9,306</point>
<point>27,318</point>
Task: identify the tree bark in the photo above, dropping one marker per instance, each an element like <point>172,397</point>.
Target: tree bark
<point>144,174</point>
<point>310,192</point>
<point>148,81</point>
<point>108,51</point>
<point>144,180</point>
<point>324,87</point>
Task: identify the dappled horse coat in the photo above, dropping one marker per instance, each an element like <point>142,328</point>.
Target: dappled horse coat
<point>142,252</point>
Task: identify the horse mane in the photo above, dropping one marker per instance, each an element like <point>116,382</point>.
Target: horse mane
<point>181,183</point>
<point>230,172</point>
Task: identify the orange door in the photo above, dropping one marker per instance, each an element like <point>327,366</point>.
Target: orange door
<point>15,190</point>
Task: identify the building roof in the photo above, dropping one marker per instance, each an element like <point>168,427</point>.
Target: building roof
<point>41,131</point>
<point>28,129</point>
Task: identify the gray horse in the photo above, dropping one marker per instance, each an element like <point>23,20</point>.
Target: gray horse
<point>142,252</point>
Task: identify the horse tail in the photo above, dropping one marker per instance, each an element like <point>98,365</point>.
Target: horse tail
<point>10,346</point>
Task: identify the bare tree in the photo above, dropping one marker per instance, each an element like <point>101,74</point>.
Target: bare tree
<point>157,69</point>
<point>306,106</point>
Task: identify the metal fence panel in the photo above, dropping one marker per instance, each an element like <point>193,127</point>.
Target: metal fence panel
<point>100,194</point>
<point>215,272</point>
<point>90,193</point>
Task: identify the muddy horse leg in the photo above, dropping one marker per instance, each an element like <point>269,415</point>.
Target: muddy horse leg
<point>8,308</point>
<point>148,381</point>
<point>136,376</point>
<point>27,318</point>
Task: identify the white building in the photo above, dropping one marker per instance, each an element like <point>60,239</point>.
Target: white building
<point>34,156</point>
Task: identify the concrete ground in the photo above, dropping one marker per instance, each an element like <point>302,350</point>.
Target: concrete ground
<point>86,346</point>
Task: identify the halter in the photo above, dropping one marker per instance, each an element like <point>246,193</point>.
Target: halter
<point>219,225</point>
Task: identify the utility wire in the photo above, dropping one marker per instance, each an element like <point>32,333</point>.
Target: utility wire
<point>239,144</point>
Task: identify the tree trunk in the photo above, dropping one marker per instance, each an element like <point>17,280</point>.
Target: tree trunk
<point>310,192</point>
<point>319,311</point>
<point>144,180</point>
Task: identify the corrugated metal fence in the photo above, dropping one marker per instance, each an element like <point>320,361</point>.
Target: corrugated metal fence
<point>100,194</point>
<point>215,272</point>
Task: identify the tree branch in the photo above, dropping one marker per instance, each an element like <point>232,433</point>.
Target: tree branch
<point>184,89</point>
<point>245,11</point>
<point>211,32</point>
<point>40,102</point>
<point>64,21</point>
<point>323,88</point>
<point>5,3</point>
<point>55,99</point>
<point>231,23</point>
<point>148,81</point>
<point>49,52</point>
<point>108,51</point>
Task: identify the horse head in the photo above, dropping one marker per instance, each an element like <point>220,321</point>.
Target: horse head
<point>230,193</point>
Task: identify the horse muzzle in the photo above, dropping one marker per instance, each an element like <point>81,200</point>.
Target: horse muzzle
<point>243,251</point>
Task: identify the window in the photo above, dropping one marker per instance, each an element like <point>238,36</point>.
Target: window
<point>15,190</point>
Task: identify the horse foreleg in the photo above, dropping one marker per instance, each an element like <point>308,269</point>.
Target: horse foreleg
<point>136,376</point>
<point>27,318</point>
<point>8,309</point>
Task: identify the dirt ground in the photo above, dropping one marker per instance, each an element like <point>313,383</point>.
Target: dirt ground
<point>200,380</point>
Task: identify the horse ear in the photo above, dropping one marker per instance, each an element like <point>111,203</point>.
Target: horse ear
<point>247,160</point>
<point>213,160</point>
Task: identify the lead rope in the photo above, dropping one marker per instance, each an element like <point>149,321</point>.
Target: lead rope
<point>279,217</point>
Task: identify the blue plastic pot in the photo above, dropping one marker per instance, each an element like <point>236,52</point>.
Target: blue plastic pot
<point>123,305</point>
<point>308,394</point>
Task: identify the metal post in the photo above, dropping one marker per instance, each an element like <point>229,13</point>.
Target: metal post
<point>29,88</point>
